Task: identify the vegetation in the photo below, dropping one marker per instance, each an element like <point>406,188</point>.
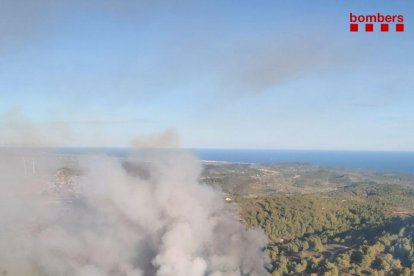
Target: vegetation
<point>324,221</point>
<point>357,229</point>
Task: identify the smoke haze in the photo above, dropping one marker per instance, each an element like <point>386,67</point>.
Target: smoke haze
<point>18,130</point>
<point>98,215</point>
<point>165,139</point>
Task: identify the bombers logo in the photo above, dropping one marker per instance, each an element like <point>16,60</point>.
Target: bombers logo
<point>397,21</point>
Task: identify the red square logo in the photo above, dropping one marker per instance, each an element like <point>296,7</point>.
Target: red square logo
<point>369,27</point>
<point>399,27</point>
<point>384,27</point>
<point>353,27</point>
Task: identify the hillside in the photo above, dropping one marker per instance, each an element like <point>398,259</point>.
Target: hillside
<point>324,221</point>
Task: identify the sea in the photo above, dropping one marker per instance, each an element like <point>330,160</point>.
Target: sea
<point>383,161</point>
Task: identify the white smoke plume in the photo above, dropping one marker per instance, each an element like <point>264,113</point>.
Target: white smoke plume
<point>99,215</point>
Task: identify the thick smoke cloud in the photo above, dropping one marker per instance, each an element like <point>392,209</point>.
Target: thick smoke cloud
<point>97,215</point>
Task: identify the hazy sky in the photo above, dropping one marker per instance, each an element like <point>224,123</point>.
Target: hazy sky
<point>223,74</point>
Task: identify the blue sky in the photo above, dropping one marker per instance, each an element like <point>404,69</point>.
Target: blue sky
<point>220,74</point>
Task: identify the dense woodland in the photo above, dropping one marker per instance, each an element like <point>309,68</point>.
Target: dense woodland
<point>361,229</point>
